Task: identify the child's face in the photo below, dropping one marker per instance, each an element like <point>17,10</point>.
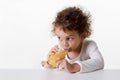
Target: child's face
<point>69,40</point>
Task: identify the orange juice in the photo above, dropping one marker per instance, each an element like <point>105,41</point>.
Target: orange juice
<point>52,59</point>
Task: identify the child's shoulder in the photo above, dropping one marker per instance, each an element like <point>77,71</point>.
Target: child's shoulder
<point>89,44</point>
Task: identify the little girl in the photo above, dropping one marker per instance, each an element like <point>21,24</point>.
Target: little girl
<point>72,27</point>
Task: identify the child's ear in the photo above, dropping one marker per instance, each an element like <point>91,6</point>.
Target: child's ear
<point>83,35</point>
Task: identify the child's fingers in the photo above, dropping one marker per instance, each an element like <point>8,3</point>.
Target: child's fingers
<point>53,50</point>
<point>58,62</point>
<point>59,59</point>
<point>61,66</point>
<point>51,53</point>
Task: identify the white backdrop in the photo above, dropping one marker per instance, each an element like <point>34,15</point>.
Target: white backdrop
<point>25,25</point>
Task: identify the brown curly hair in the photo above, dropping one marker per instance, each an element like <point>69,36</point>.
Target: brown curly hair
<point>73,18</point>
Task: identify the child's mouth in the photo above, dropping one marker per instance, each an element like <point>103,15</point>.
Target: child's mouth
<point>69,49</point>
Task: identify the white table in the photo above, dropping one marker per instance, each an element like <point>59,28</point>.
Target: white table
<point>48,74</point>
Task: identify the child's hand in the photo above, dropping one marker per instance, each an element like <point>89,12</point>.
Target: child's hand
<point>53,50</point>
<point>63,64</point>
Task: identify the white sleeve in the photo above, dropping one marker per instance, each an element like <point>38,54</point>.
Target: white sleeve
<point>95,61</point>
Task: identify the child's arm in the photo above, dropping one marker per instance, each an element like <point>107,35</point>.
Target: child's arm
<point>95,61</point>
<point>63,64</point>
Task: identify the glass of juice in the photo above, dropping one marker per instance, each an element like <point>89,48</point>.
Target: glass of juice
<point>52,59</point>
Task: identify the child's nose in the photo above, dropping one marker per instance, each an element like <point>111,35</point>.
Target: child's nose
<point>65,43</point>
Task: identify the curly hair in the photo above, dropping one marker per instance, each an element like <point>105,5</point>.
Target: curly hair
<point>73,18</point>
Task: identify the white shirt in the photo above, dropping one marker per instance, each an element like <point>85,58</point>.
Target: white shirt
<point>90,58</point>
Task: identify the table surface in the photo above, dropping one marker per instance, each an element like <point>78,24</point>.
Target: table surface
<point>49,74</point>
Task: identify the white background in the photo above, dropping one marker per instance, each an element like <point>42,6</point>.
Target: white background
<point>25,25</point>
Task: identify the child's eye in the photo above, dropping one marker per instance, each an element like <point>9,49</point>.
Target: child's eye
<point>69,38</point>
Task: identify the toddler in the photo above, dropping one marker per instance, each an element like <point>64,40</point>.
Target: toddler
<point>72,28</point>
